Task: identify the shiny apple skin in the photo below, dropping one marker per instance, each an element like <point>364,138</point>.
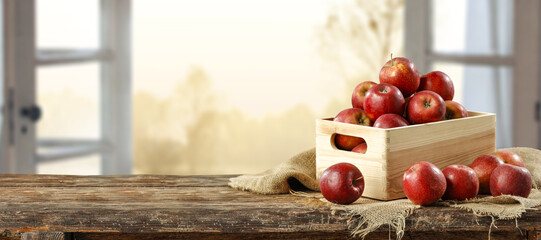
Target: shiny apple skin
<point>462,182</point>
<point>352,116</point>
<point>438,82</point>
<point>454,110</point>
<point>361,148</point>
<point>511,180</point>
<point>390,120</point>
<point>341,183</point>
<point>510,158</point>
<point>483,167</point>
<point>381,99</point>
<point>357,98</point>
<point>402,73</point>
<point>423,183</point>
<point>425,107</point>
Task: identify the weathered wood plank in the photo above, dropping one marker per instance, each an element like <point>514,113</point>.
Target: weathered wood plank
<point>143,195</point>
<point>45,236</point>
<point>188,218</point>
<point>213,198</point>
<point>507,235</point>
<point>160,205</point>
<point>534,235</point>
<point>38,180</point>
<point>8,235</point>
<point>170,210</point>
<point>451,219</point>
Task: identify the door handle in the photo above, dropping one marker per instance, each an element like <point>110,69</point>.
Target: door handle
<point>32,112</point>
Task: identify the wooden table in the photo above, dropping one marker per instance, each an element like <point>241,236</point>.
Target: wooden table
<point>203,207</point>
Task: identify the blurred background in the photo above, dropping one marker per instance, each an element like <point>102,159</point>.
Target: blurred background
<point>230,87</point>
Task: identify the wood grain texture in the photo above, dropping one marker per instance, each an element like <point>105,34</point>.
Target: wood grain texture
<point>45,236</point>
<point>391,151</point>
<point>198,207</point>
<point>504,235</point>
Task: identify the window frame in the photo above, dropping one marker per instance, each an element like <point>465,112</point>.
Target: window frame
<point>524,61</point>
<point>21,59</point>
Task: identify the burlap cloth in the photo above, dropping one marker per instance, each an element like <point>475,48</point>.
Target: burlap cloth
<point>366,215</point>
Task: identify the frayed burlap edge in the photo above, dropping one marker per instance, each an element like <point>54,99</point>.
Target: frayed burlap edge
<point>503,207</point>
<point>300,167</point>
<point>367,215</point>
<point>364,218</point>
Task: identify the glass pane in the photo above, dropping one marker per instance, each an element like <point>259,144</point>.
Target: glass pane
<point>484,88</point>
<point>69,99</point>
<point>481,27</point>
<point>67,23</point>
<point>88,165</point>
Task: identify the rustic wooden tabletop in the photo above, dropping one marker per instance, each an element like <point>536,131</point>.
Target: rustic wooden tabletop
<point>204,207</point>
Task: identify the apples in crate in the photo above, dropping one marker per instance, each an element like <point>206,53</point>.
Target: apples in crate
<point>413,127</point>
<point>389,152</point>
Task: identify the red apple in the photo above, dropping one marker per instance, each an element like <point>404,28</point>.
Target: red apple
<point>383,98</point>
<point>352,116</point>
<point>510,180</point>
<point>361,148</point>
<point>438,82</point>
<point>342,183</point>
<point>483,167</point>
<point>423,183</point>
<point>454,110</point>
<point>425,107</point>
<point>462,182</point>
<point>407,100</point>
<point>402,73</point>
<point>390,120</point>
<point>510,158</point>
<point>357,98</point>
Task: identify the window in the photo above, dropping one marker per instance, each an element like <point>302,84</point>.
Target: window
<point>490,49</point>
<point>228,86</point>
<point>67,67</point>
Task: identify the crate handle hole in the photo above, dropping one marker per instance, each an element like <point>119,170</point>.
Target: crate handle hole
<point>349,143</point>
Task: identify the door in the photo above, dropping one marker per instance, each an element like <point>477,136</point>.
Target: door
<point>67,86</point>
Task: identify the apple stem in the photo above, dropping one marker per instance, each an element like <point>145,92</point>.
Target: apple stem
<point>359,178</point>
<point>392,63</point>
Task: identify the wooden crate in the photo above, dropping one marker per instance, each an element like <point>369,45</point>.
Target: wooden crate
<point>391,151</point>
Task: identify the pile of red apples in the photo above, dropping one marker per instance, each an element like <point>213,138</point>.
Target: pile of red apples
<point>499,173</point>
<point>404,97</point>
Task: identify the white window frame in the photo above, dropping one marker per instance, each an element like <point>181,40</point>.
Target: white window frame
<point>525,61</point>
<point>21,59</point>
